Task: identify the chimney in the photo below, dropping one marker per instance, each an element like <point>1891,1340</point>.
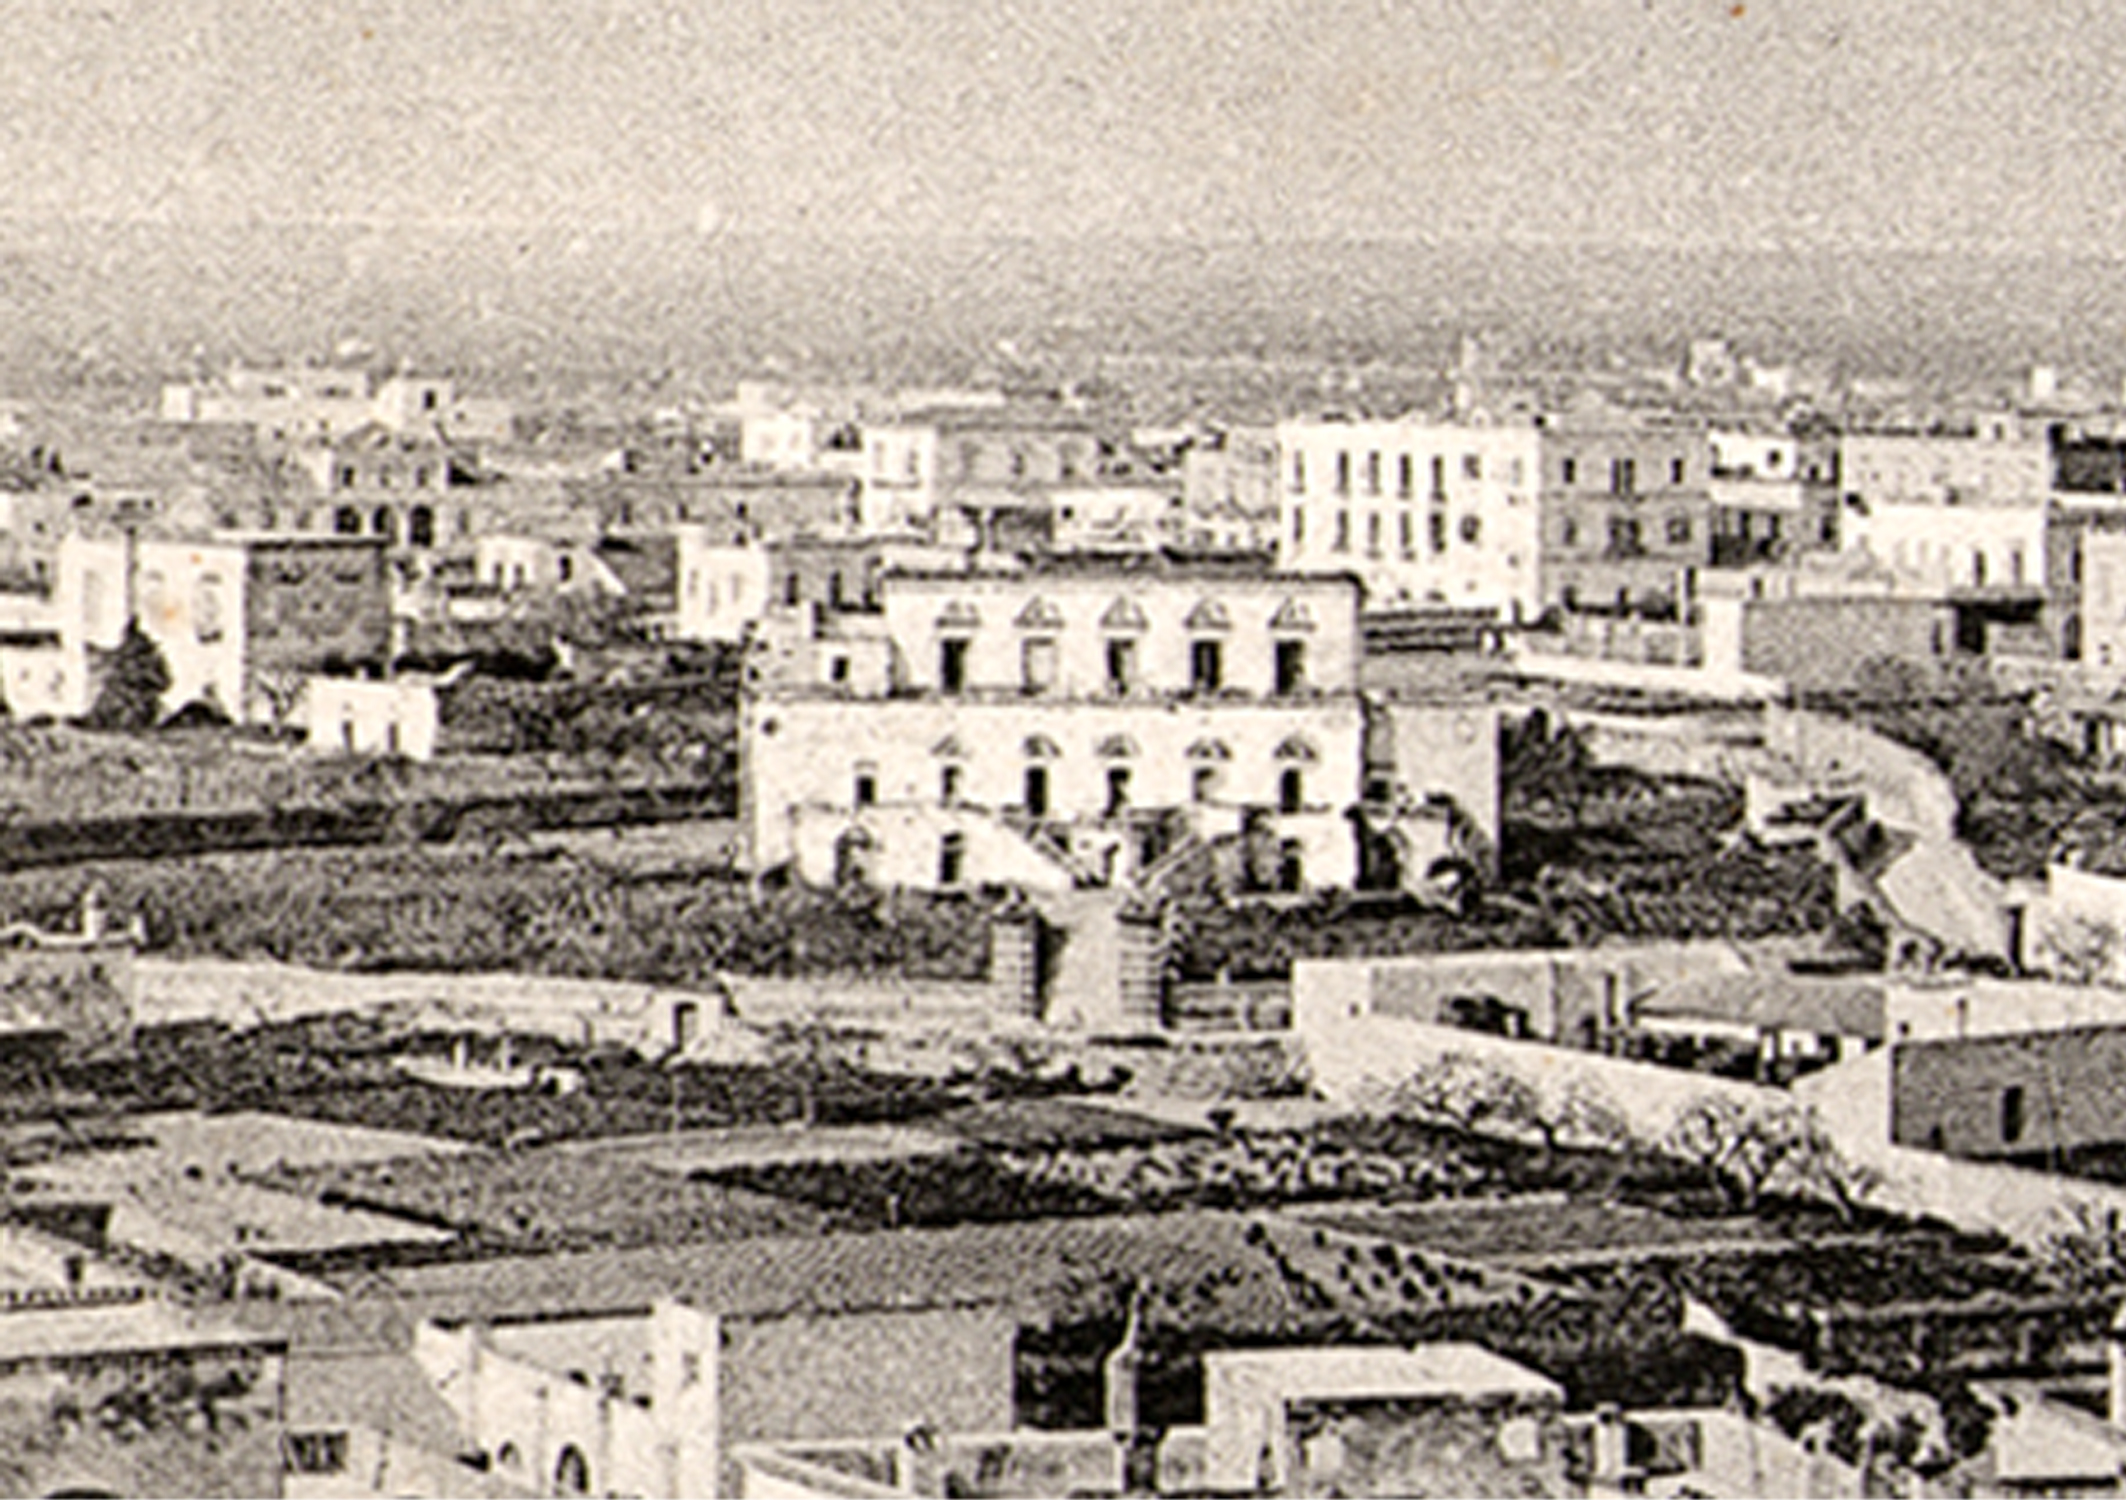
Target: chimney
<point>1120,1370</point>
<point>1612,1450</point>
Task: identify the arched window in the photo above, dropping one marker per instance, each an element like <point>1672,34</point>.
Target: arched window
<point>852,857</point>
<point>572,1472</point>
<point>421,526</point>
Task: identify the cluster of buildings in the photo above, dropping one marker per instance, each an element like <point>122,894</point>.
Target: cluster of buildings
<point>1727,543</point>
<point>842,1365</point>
<point>999,640</point>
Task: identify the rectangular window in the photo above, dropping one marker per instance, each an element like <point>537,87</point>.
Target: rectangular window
<point>317,1452</point>
<point>1117,789</point>
<point>1343,473</point>
<point>838,669</point>
<point>1472,466</point>
<point>952,858</point>
<point>1290,665</point>
<point>1405,475</point>
<point>2011,1114</point>
<point>1299,472</point>
<point>952,666</point>
<point>1037,791</point>
<point>1037,664</point>
<point>866,789</point>
<point>1206,666</point>
<point>1373,534</point>
<point>1623,476</point>
<point>1568,471</point>
<point>1341,542</point>
<point>1675,471</point>
<point>1439,474</point>
<point>949,784</point>
<point>1121,665</point>
<point>1203,783</point>
<point>207,610</point>
<point>1436,524</point>
<point>1408,533</point>
<point>1299,526</point>
<point>1291,792</point>
<point>1373,473</point>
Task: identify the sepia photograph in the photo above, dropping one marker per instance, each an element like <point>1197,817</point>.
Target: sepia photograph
<point>1018,749</point>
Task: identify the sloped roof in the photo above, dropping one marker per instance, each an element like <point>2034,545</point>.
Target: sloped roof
<point>1829,1006</point>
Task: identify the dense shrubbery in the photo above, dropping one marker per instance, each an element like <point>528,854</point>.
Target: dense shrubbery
<point>1736,891</point>
<point>456,909</point>
<point>330,1069</point>
<point>1590,851</point>
<point>683,723</point>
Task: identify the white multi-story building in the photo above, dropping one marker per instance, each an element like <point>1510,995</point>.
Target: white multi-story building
<point>721,588</point>
<point>1421,512</point>
<point>899,474</point>
<point>241,620</point>
<point>1940,547</point>
<point>1950,511</point>
<point>1065,724</point>
<point>305,404</point>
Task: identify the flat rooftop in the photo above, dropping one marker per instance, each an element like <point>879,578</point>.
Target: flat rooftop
<point>128,1328</point>
<point>1357,1373</point>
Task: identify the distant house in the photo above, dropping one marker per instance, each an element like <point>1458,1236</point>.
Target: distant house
<point>654,1404</point>
<point>65,995</point>
<point>166,1401</point>
<point>242,619</point>
<point>357,716</point>
<point>1439,1418</point>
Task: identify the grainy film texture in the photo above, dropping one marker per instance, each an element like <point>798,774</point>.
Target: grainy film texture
<point>971,748</point>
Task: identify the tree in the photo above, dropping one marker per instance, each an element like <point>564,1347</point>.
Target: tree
<point>135,676</point>
<point>1544,761</point>
<point>1470,1094</point>
<point>1739,1147</point>
<point>1746,1149</point>
<point>1586,1117</point>
<point>2084,1248</point>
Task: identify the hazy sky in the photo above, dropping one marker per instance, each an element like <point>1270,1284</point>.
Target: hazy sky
<point>1880,122</point>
